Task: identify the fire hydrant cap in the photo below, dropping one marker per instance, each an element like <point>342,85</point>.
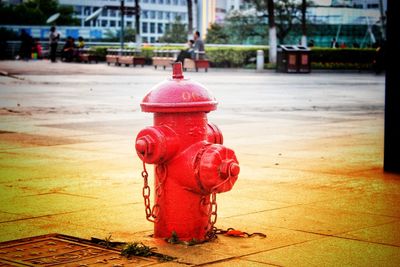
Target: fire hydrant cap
<point>218,168</point>
<point>178,95</point>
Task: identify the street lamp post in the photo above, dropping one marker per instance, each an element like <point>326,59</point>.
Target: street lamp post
<point>122,33</point>
<point>124,10</point>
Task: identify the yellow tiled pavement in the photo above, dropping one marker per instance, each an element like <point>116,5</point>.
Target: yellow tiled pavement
<point>310,149</point>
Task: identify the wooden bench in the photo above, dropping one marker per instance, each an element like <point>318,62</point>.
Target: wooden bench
<point>112,56</point>
<point>164,58</point>
<point>200,62</point>
<point>196,64</point>
<point>83,55</point>
<point>129,57</point>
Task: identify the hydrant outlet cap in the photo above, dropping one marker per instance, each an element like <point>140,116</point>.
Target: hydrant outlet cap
<point>178,95</point>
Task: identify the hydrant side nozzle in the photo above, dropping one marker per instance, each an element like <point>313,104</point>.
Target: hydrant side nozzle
<point>141,146</point>
<point>177,72</point>
<point>229,168</point>
<point>144,145</point>
<point>234,169</point>
<point>156,144</point>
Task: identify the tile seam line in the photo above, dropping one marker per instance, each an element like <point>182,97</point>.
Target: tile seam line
<point>347,238</point>
<point>57,214</point>
<point>235,257</point>
<point>316,207</point>
<point>261,251</point>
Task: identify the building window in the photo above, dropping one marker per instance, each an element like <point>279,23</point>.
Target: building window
<point>113,13</point>
<point>161,2</point>
<point>152,39</point>
<point>153,1</point>
<point>152,14</point>
<point>183,2</point>
<point>152,27</point>
<point>159,28</point>
<point>167,15</point>
<point>145,1</point>
<point>104,13</point>
<point>159,15</point>
<point>167,25</point>
<point>112,23</point>
<point>104,23</point>
<point>168,2</point>
<point>145,14</point>
<point>87,11</point>
<point>183,16</point>
<point>144,40</point>
<point>144,27</point>
<point>372,5</point>
<point>129,24</point>
<point>175,2</point>
<point>77,10</point>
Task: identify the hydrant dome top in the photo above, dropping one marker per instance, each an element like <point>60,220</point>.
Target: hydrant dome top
<point>178,95</point>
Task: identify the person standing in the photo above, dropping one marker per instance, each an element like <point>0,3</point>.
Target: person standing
<point>334,43</point>
<point>54,37</point>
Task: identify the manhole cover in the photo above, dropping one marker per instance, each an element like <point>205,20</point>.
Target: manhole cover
<point>62,250</point>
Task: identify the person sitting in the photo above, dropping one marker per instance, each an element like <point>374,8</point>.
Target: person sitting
<point>198,47</point>
<point>68,49</point>
<point>186,53</point>
<point>37,49</point>
<point>81,42</point>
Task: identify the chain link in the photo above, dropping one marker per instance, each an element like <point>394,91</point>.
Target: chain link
<point>212,217</point>
<point>152,212</point>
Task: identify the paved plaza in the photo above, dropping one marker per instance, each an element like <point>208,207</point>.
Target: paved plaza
<point>310,148</point>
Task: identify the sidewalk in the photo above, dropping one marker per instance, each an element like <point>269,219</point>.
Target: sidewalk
<point>310,149</point>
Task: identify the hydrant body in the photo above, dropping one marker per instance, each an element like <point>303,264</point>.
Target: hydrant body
<point>191,164</point>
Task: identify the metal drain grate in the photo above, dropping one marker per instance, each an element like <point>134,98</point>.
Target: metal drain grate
<point>62,250</point>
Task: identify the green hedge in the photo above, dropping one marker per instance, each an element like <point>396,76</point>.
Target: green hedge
<point>233,56</point>
<point>245,57</point>
<point>342,58</point>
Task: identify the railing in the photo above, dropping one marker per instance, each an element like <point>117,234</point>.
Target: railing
<point>12,48</point>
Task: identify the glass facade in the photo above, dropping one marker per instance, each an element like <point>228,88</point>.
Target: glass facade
<point>154,17</point>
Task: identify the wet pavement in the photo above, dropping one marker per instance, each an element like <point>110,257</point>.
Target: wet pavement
<point>310,147</point>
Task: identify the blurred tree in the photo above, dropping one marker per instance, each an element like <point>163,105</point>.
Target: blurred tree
<point>113,36</point>
<point>36,12</point>
<point>268,5</point>
<point>176,33</point>
<point>216,34</point>
<point>283,14</point>
<point>241,27</point>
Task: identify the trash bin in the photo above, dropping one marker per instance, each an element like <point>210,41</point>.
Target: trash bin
<point>293,59</point>
<point>303,59</point>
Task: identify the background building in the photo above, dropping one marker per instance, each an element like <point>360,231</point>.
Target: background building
<point>349,21</point>
<point>156,16</point>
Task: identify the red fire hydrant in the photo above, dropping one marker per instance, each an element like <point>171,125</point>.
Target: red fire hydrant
<point>191,164</point>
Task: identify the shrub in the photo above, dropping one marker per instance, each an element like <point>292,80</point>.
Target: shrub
<point>347,58</point>
<point>245,57</point>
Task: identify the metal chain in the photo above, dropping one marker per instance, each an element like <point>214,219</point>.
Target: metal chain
<point>212,217</point>
<point>152,212</point>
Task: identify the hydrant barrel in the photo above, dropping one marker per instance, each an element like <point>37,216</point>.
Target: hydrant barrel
<point>191,163</point>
